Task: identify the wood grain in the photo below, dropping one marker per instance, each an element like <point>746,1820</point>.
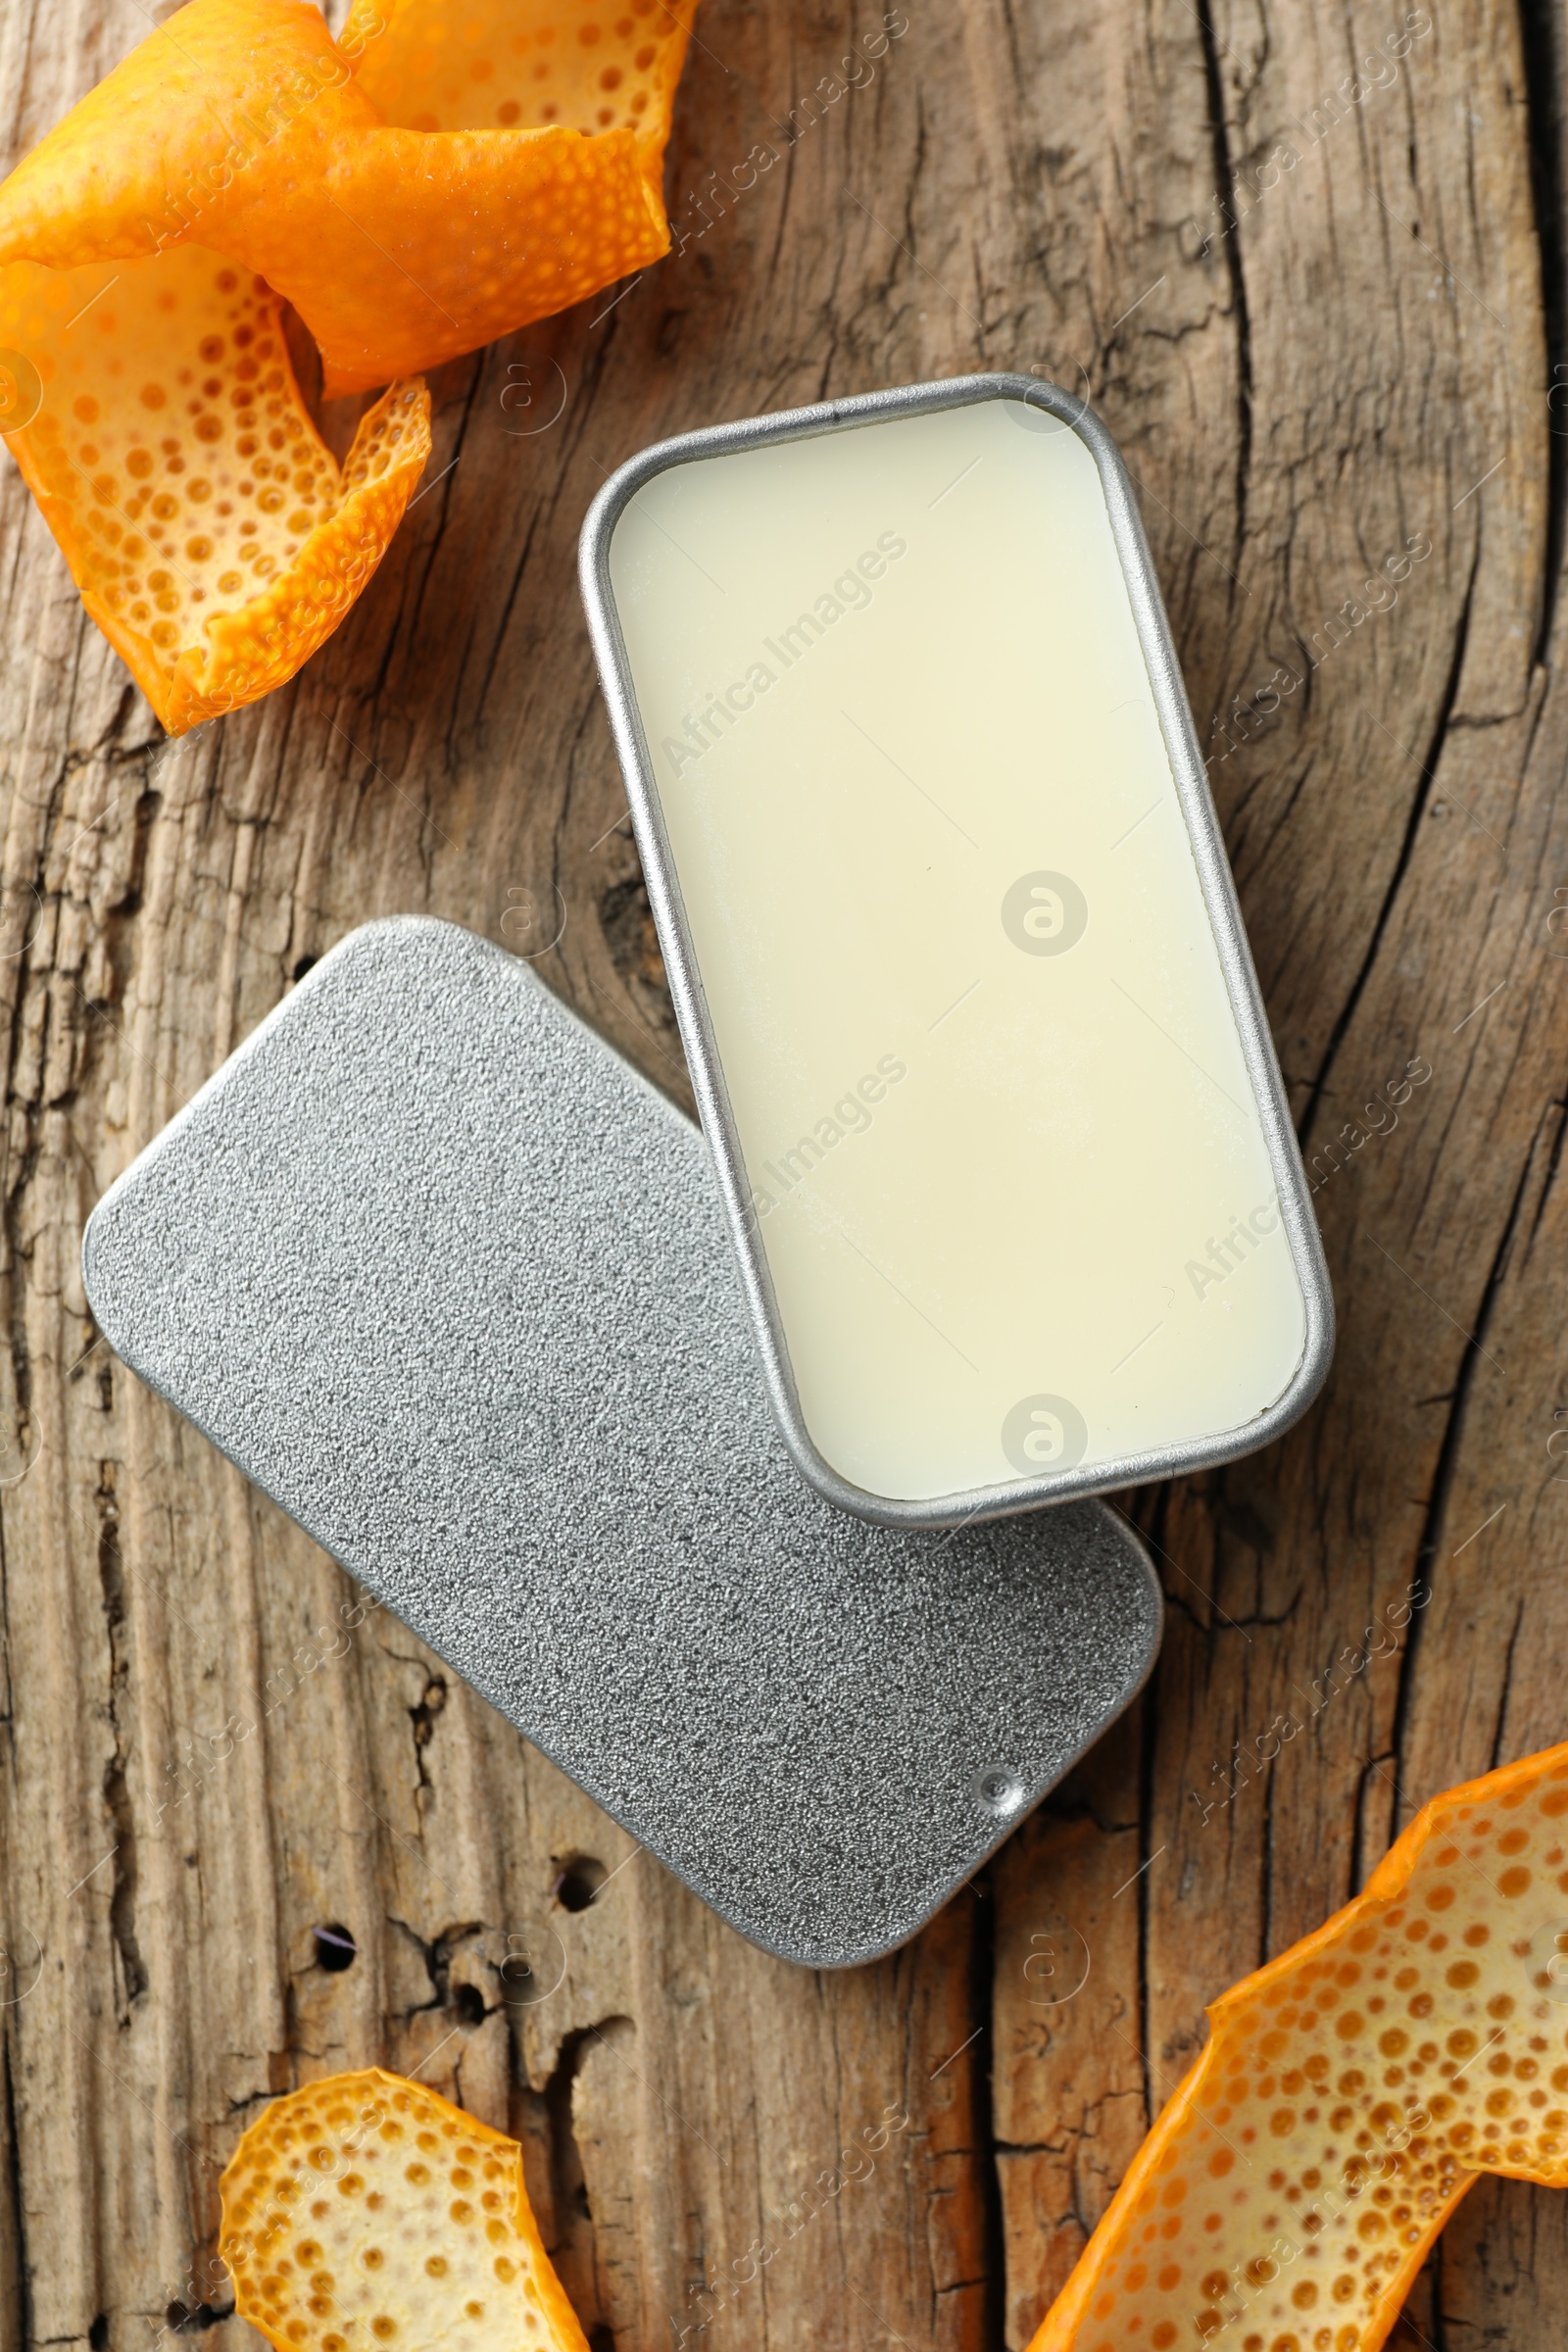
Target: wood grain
<point>1322,315</point>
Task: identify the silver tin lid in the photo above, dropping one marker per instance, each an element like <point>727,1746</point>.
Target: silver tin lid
<point>447,1279</point>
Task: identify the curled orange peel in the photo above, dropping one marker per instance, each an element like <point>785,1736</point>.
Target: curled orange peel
<point>1350,2094</point>
<point>439,177</point>
<point>212,535</point>
<point>366,2211</point>
<point>442,176</point>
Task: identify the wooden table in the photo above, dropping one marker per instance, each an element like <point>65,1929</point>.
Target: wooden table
<point>1321,301</point>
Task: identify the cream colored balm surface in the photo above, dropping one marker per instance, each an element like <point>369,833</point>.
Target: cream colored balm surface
<point>1004,1158</point>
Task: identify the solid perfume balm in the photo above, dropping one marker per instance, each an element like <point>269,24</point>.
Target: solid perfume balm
<point>1006,1164</point>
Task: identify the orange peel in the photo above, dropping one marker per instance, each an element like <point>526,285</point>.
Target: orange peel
<point>241,124</point>
<point>1350,2094</point>
<point>212,535</point>
<point>365,2210</point>
<point>438,179</point>
<point>594,67</point>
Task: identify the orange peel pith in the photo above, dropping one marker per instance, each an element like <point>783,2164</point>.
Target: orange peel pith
<point>437,180</point>
<point>1350,2094</point>
<point>366,2211</point>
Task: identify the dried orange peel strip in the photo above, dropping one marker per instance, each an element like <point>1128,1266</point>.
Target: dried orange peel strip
<point>439,179</point>
<point>592,66</point>
<point>366,2211</point>
<point>242,125</point>
<point>209,530</point>
<point>1350,2094</point>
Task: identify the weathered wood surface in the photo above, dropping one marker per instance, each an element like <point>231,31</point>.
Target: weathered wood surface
<point>1325,326</point>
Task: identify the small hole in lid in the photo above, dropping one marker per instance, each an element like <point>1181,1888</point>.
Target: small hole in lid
<point>1000,1789</point>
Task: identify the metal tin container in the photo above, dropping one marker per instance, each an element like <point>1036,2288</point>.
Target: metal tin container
<point>948,755</point>
<point>447,1279</point>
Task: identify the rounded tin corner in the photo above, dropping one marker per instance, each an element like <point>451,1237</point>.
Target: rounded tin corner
<point>821,1955</point>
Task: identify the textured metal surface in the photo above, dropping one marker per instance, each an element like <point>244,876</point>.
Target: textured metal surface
<point>1219,892</point>
<point>450,1281</point>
